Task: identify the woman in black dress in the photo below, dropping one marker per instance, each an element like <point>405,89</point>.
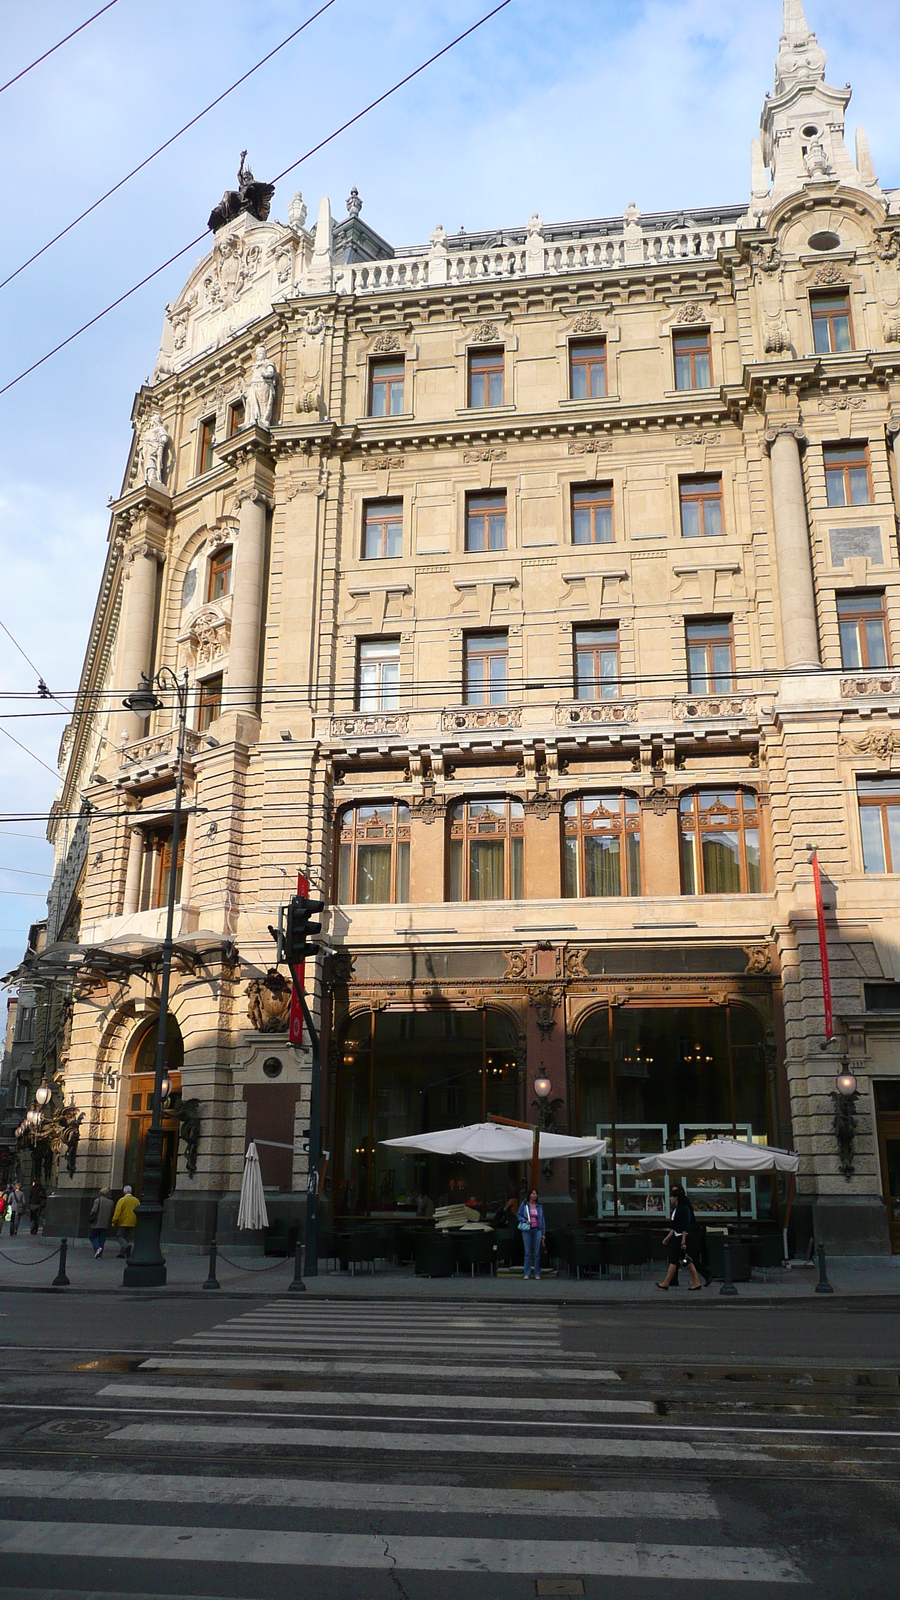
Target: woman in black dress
<point>676,1240</point>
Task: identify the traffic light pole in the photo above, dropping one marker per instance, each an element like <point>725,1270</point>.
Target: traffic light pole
<point>311,1252</point>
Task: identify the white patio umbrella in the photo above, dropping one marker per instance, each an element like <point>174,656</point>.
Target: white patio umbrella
<point>252,1211</point>
<point>494,1141</point>
<point>728,1155</point>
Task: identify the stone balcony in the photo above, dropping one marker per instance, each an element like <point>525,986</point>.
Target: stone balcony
<point>154,759</point>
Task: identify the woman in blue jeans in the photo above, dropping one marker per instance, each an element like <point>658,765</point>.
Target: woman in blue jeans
<point>532,1229</point>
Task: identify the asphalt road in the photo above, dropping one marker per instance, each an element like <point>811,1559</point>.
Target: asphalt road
<point>398,1450</point>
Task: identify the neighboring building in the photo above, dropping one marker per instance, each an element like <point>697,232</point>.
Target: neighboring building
<point>20,1073</point>
<point>537,592</point>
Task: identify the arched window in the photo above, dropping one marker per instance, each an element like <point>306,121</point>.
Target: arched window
<point>602,845</point>
<point>720,842</point>
<point>487,850</point>
<point>373,854</point>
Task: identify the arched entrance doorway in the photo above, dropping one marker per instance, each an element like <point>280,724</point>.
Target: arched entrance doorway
<point>407,1072</point>
<point>139,1088</point>
<point>651,1078</point>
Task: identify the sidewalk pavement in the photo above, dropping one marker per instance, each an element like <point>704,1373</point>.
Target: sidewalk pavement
<point>31,1263</point>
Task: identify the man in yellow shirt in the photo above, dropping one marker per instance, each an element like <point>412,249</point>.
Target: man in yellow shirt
<point>123,1220</point>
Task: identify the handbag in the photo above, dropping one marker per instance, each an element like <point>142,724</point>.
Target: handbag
<point>524,1227</point>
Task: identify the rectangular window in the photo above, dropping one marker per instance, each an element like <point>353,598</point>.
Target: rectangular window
<point>373,854</point>
<point>592,514</point>
<point>486,657</point>
<point>602,846</point>
<point>219,584</point>
<point>378,675</point>
<point>597,663</point>
<point>879,822</point>
<point>207,445</point>
<point>486,377</point>
<point>863,629</point>
<point>383,529</point>
<point>386,388</point>
<point>720,849</point>
<point>235,418</point>
<point>847,477</point>
<point>710,656</point>
<point>693,365</point>
<point>486,857</point>
<point>587,369</point>
<point>486,521</point>
<point>210,702</point>
<point>832,328</point>
<point>157,868</point>
<point>701,507</point>
<point>25,1024</point>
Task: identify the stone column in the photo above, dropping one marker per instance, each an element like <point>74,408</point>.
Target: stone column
<point>189,823</point>
<point>132,899</point>
<point>893,443</point>
<point>792,548</point>
<point>141,561</point>
<point>249,452</point>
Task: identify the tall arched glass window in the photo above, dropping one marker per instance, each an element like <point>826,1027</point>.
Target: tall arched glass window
<point>373,854</point>
<point>720,842</point>
<point>487,843</point>
<point>602,845</point>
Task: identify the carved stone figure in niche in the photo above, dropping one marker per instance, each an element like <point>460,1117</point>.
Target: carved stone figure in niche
<point>259,395</point>
<point>250,196</point>
<point>269,1002</point>
<point>309,375</point>
<point>154,450</point>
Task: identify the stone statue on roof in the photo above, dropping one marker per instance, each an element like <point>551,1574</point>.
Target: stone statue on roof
<point>250,196</point>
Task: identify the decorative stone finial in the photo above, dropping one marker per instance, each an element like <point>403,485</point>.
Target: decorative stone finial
<point>354,204</point>
<point>297,211</point>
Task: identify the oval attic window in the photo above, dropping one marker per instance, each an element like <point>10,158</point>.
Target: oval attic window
<point>824,240</point>
<point>810,131</point>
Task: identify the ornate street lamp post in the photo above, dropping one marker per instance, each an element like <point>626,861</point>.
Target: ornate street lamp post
<point>146,1266</point>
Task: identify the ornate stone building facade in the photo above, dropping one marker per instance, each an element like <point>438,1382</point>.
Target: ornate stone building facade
<point>538,592</point>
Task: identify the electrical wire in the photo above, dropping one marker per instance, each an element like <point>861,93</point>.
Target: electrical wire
<point>58,46</point>
<point>53,770</point>
<point>159,150</point>
<point>92,321</point>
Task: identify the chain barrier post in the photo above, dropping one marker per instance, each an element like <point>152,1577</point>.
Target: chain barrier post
<point>212,1281</point>
<point>61,1280</point>
<point>823,1286</point>
<point>727,1285</point>
<point>297,1286</point>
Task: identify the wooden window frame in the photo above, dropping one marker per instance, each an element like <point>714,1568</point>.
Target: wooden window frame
<point>598,499</point>
<point>481,362</point>
<point>879,798</point>
<point>692,491</point>
<point>481,507</point>
<point>387,696</point>
<point>826,316</point>
<point>598,684</point>
<point>588,355</point>
<point>744,818</point>
<point>155,868</point>
<point>708,676</point>
<point>621,819</point>
<point>472,820</point>
<point>852,611</point>
<point>209,702</point>
<point>692,344</point>
<point>206,445</point>
<point>389,825</point>
<point>381,515</point>
<point>840,461</point>
<point>491,650</point>
<point>236,413</point>
<point>221,561</point>
<point>380,376</point>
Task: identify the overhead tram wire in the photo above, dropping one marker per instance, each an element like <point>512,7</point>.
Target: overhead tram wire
<point>294,164</point>
<point>165,146</point>
<point>58,46</point>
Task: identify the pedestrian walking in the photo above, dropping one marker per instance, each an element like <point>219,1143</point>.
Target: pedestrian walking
<point>123,1220</point>
<point>676,1240</point>
<point>37,1200</point>
<point>17,1203</point>
<point>532,1229</point>
<point>101,1215</point>
<point>4,1206</point>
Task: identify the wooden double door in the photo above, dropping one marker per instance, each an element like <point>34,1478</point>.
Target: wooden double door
<point>140,1109</point>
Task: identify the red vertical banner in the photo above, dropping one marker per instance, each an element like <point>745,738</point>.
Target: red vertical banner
<point>295,1025</point>
<point>823,947</point>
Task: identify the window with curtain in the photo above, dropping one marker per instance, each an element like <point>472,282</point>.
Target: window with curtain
<point>486,521</point>
<point>592,513</point>
<point>597,663</point>
<point>701,507</point>
<point>879,823</point>
<point>386,388</point>
<point>863,629</point>
<point>710,656</point>
<point>848,480</point>
<point>486,658</point>
<point>720,852</point>
<point>486,377</point>
<point>378,675</point>
<point>832,327</point>
<point>487,843</point>
<point>383,534</point>
<point>693,366</point>
<point>602,846</point>
<point>587,369</point>
<point>373,854</point>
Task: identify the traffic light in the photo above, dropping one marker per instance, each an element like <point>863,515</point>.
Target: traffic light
<point>301,929</point>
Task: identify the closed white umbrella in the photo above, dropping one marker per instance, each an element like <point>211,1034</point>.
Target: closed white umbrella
<point>494,1141</point>
<point>721,1155</point>
<point>252,1211</point>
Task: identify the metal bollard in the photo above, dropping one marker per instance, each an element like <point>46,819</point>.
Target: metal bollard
<point>823,1286</point>
<point>727,1285</point>
<point>61,1281</point>
<point>297,1285</point>
<point>212,1281</point>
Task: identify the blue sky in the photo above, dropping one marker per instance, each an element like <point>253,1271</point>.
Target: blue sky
<point>568,107</point>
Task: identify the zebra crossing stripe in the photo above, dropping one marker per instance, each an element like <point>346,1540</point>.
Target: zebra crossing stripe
<point>510,1404</point>
<point>394,1369</point>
